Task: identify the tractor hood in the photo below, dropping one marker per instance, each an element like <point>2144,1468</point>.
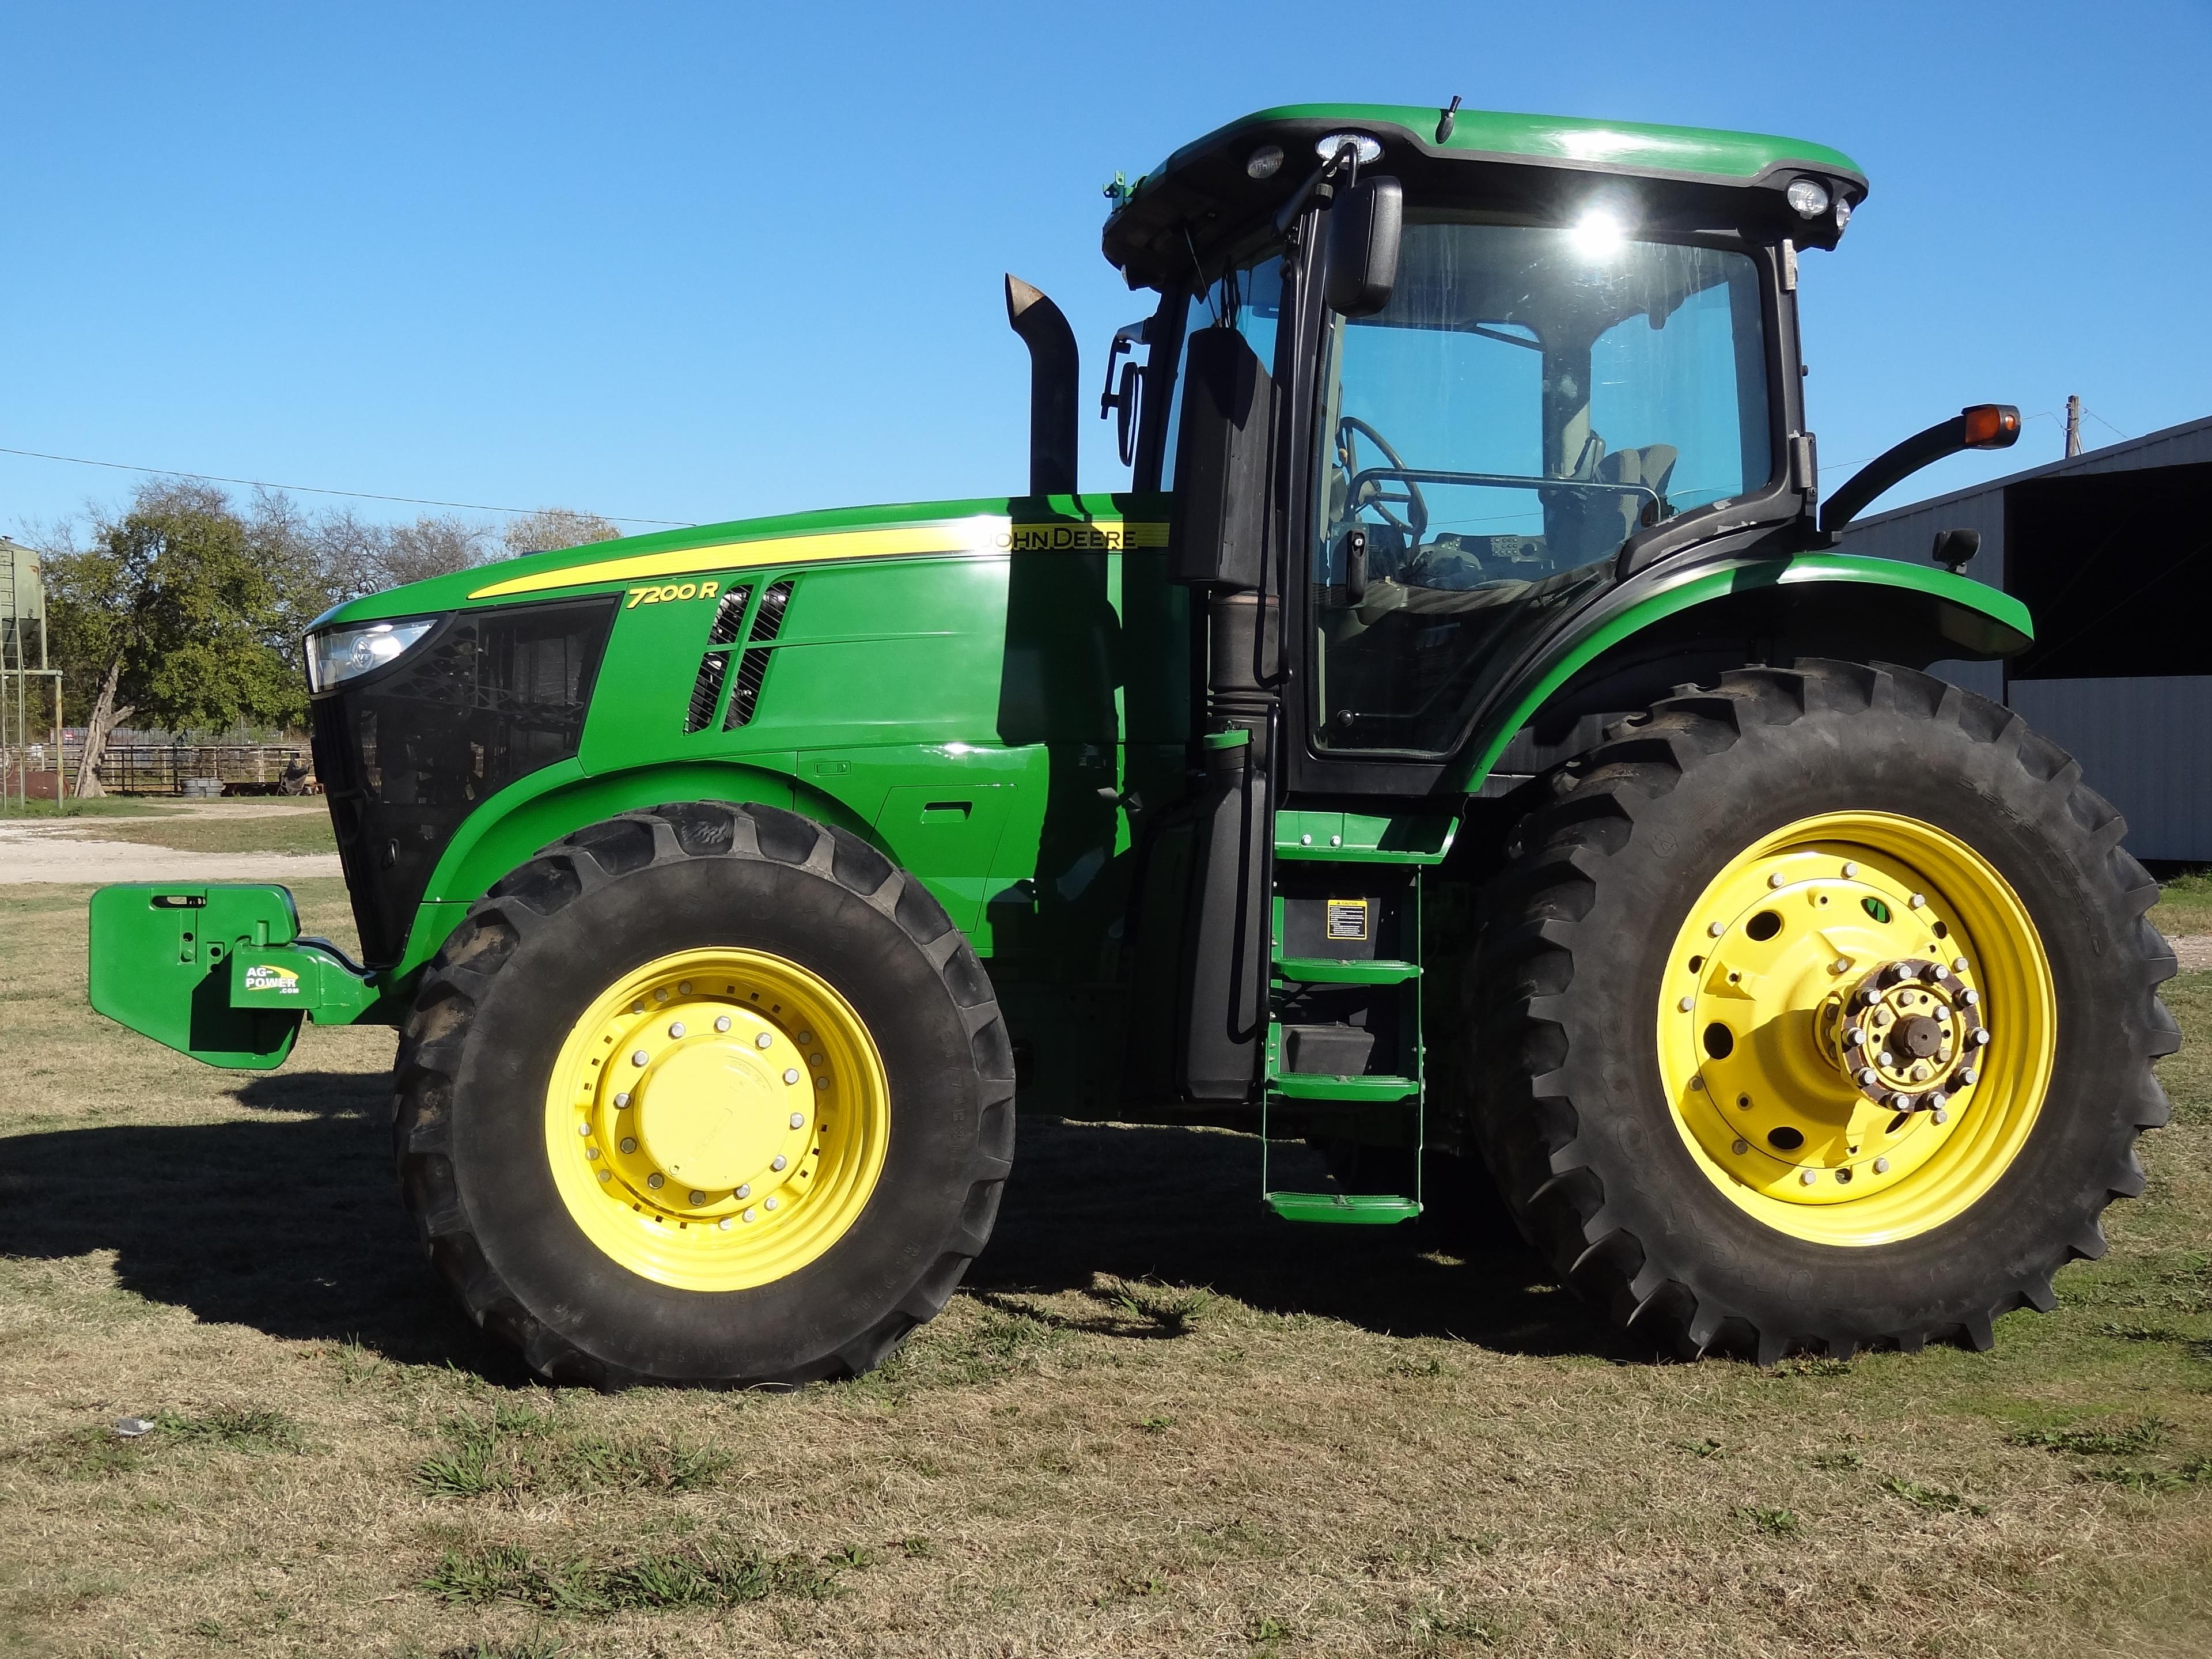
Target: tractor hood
<point>908,529</point>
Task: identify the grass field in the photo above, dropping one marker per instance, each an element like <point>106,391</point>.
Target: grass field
<point>305,830</point>
<point>104,807</point>
<point>1154,1422</point>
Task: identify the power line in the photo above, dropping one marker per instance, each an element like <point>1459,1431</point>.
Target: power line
<point>306,490</point>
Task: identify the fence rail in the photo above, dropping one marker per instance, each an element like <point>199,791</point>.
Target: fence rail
<point>162,769</point>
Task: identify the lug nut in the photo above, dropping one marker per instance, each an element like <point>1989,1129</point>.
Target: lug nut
<point>1967,1078</point>
<point>1696,1082</point>
<point>1806,1177</point>
<point>1939,973</point>
<point>1970,998</point>
<point>792,1076</point>
<point>724,1223</point>
<point>606,1175</point>
<point>744,1192</point>
<point>1715,929</point>
<point>639,1058</point>
<point>1851,870</point>
<point>1901,1103</point>
<point>1882,1166</point>
<point>1916,902</point>
<point>1777,879</point>
<point>799,1120</point>
<point>676,1030</point>
<point>767,1204</point>
<point>1981,1037</point>
<point>1940,1115</point>
<point>584,1128</point>
<point>661,995</point>
<point>1855,1036</point>
<point>747,1216</point>
<point>779,1162</point>
<point>821,1082</point>
<point>1843,964</point>
<point>621,1101</point>
<point>1868,1077</point>
<point>1887,1058</point>
<point>1740,1147</point>
<point>656,1180</point>
<point>1686,1004</point>
<point>765,1040</point>
<point>1958,964</point>
<point>592,1153</point>
<point>721,1022</point>
<point>630,1143</point>
<point>806,1037</point>
<point>684,988</point>
<point>698,1198</point>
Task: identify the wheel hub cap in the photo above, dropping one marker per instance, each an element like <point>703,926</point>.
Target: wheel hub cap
<point>1906,1035</point>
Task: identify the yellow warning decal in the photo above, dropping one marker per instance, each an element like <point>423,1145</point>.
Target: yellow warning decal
<point>982,535</point>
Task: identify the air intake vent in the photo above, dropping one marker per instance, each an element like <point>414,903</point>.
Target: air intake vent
<point>714,666</point>
<point>753,662</point>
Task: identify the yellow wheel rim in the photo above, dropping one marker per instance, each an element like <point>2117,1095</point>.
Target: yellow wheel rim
<point>1856,1026</point>
<point>717,1119</point>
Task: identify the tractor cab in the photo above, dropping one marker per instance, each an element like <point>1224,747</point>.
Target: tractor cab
<point>1474,371</point>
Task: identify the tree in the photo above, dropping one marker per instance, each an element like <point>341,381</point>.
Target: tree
<point>178,617</point>
<point>551,528</point>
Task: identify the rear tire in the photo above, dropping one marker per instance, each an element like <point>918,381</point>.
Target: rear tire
<point>613,1284</point>
<point>1594,1141</point>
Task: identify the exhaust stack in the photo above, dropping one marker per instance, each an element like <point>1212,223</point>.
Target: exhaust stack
<point>1055,364</point>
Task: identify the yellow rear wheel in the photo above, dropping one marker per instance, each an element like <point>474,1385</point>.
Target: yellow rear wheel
<point>1856,1026</point>
<point>717,1119</point>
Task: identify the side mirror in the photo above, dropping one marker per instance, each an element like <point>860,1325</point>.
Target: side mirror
<point>1364,227</point>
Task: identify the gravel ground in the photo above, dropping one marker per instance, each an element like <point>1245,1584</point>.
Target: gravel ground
<point>81,849</point>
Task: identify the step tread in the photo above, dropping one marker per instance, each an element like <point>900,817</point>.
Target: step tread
<point>1355,1209</point>
<point>1325,1085</point>
<point>1346,970</point>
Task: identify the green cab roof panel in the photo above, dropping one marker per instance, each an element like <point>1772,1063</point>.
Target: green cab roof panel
<point>1540,162</point>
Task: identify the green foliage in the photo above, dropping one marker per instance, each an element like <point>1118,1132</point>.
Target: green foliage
<point>691,1577</point>
<point>2124,1439</point>
<point>518,1449</point>
<point>191,610</point>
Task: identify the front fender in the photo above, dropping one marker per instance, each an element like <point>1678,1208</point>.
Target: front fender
<point>1831,604</point>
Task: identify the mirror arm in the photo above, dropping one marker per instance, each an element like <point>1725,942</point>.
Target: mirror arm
<point>1322,183</point>
<point>1981,426</point>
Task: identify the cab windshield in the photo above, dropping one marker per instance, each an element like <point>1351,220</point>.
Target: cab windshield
<point>1527,400</point>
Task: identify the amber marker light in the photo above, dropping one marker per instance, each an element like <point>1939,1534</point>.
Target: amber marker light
<point>1991,426</point>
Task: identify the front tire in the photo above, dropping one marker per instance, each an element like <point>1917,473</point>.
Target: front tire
<point>1816,1011</point>
<point>710,1093</point>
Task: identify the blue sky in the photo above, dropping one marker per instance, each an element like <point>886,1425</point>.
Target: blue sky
<point>695,262</point>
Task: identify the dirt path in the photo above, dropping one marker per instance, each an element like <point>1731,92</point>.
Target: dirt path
<point>83,849</point>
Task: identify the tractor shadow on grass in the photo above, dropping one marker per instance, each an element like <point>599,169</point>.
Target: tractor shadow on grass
<point>1181,1208</point>
<point>290,1224</point>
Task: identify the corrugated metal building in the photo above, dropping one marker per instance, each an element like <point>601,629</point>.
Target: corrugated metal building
<point>2107,550</point>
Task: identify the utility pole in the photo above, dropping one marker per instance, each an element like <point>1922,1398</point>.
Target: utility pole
<point>2073,427</point>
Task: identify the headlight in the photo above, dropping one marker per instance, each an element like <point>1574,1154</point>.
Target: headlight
<point>338,654</point>
<point>1809,195</point>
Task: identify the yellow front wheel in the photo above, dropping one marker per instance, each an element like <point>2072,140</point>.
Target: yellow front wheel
<point>1818,1012</point>
<point>707,1094</point>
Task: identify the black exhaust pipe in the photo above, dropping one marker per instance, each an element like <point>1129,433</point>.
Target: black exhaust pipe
<point>1055,366</point>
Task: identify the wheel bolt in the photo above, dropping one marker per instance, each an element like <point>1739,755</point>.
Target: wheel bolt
<point>1958,964</point>
<point>592,1153</point>
<point>621,1101</point>
<point>1940,1115</point>
<point>685,987</point>
<point>676,1030</point>
<point>1916,902</point>
<point>799,1120</point>
<point>1843,964</point>
<point>765,1040</point>
<point>584,1128</point>
<point>1855,1036</point>
<point>698,1198</point>
<point>639,1058</point>
<point>744,1192</point>
<point>1967,1078</point>
<point>1868,1077</point>
<point>1777,879</point>
<point>1970,998</point>
<point>721,1022</point>
<point>768,1203</point>
<point>791,1075</point>
<point>656,1180</point>
<point>1806,1177</point>
<point>779,1162</point>
<point>1887,1059</point>
<point>606,1175</point>
<point>1851,870</point>
<point>724,1223</point>
<point>1901,1103</point>
<point>806,1037</point>
<point>630,1143</point>
<point>1686,1004</point>
<point>747,1216</point>
<point>1981,1038</point>
<point>821,1082</point>
<point>1716,929</point>
<point>1882,1166</point>
<point>661,995</point>
<point>1939,973</point>
<point>1740,1147</point>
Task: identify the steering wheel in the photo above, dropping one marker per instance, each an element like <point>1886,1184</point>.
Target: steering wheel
<point>1349,427</point>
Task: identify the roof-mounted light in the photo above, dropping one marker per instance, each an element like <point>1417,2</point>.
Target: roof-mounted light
<point>1807,197</point>
<point>1264,163</point>
<point>1364,148</point>
<point>1842,213</point>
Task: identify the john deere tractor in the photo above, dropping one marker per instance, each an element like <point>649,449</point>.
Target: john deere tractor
<point>1464,741</point>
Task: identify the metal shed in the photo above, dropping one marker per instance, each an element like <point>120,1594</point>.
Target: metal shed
<point>2107,550</point>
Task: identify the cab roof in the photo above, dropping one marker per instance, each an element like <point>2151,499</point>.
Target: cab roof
<point>1202,197</point>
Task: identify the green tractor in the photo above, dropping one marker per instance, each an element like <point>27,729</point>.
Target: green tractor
<point>1464,743</point>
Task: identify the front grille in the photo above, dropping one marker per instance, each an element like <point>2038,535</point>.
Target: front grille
<point>408,752</point>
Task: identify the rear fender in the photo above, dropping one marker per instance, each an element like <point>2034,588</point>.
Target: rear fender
<point>1649,636</point>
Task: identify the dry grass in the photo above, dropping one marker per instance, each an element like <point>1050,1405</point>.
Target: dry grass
<point>102,806</point>
<point>1156,1422</point>
<point>2185,905</point>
